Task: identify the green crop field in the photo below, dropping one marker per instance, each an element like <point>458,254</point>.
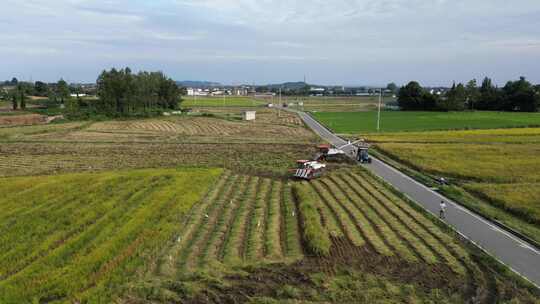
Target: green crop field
<point>499,166</point>
<point>79,237</point>
<point>228,101</point>
<point>397,121</point>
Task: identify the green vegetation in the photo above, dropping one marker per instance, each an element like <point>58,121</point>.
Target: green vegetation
<point>122,93</point>
<point>397,121</point>
<point>80,237</point>
<point>494,172</point>
<point>515,96</point>
<point>335,104</point>
<point>317,238</point>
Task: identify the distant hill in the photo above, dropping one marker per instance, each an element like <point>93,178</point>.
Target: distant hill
<point>198,84</point>
<point>289,85</point>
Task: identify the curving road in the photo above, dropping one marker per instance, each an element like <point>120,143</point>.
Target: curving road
<point>520,256</point>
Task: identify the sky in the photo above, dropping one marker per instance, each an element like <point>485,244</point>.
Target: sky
<point>341,42</point>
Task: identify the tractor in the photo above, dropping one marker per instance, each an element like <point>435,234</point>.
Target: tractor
<point>363,156</point>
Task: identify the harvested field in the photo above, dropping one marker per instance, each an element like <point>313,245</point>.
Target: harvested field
<point>202,126</point>
<point>22,120</point>
<point>268,128</point>
<point>51,158</point>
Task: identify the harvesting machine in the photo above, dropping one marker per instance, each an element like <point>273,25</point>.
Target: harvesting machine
<point>309,169</point>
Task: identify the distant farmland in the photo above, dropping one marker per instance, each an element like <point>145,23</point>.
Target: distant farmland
<point>227,101</point>
<point>397,121</point>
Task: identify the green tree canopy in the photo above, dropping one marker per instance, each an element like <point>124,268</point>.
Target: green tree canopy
<point>392,87</point>
<point>62,90</point>
<point>520,96</point>
<point>413,97</point>
<point>123,93</point>
<point>455,99</point>
<point>41,88</point>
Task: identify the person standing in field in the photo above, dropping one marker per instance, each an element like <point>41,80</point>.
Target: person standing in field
<point>442,211</point>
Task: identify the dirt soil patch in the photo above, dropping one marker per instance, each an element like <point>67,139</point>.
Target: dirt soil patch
<point>23,120</point>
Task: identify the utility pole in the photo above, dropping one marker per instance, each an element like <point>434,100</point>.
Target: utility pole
<point>379,112</point>
<point>280,103</point>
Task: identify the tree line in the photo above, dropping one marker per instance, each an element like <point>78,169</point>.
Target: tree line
<point>517,96</point>
<point>18,95</point>
<point>122,93</point>
<point>119,92</point>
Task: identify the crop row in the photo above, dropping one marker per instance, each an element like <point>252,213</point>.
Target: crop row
<point>79,245</point>
<point>369,214</point>
<point>242,219</point>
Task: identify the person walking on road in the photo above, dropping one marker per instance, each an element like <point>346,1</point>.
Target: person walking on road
<point>442,211</point>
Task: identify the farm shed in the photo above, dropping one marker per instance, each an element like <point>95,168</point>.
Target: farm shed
<point>249,115</point>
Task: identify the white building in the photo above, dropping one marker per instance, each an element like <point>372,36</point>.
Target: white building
<point>249,115</point>
<point>197,92</point>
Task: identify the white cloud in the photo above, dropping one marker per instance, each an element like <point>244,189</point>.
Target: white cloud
<point>288,35</point>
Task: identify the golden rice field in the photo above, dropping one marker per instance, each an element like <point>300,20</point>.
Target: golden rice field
<point>214,236</point>
<point>78,238</point>
<point>499,167</point>
<point>242,219</point>
<point>261,224</point>
<point>500,163</point>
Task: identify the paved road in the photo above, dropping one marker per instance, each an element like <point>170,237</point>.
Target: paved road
<point>516,253</point>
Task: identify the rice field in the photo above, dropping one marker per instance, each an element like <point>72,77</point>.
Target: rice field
<point>250,219</point>
<point>401,121</point>
<point>498,168</point>
<point>208,235</point>
<point>80,237</point>
<point>242,219</point>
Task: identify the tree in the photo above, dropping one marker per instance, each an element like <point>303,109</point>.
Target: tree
<point>41,88</point>
<point>21,91</point>
<point>62,90</point>
<point>14,104</point>
<point>411,97</point>
<point>489,96</point>
<point>520,96</point>
<point>472,93</point>
<point>122,93</point>
<point>392,87</point>
<point>455,99</point>
<point>14,81</point>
